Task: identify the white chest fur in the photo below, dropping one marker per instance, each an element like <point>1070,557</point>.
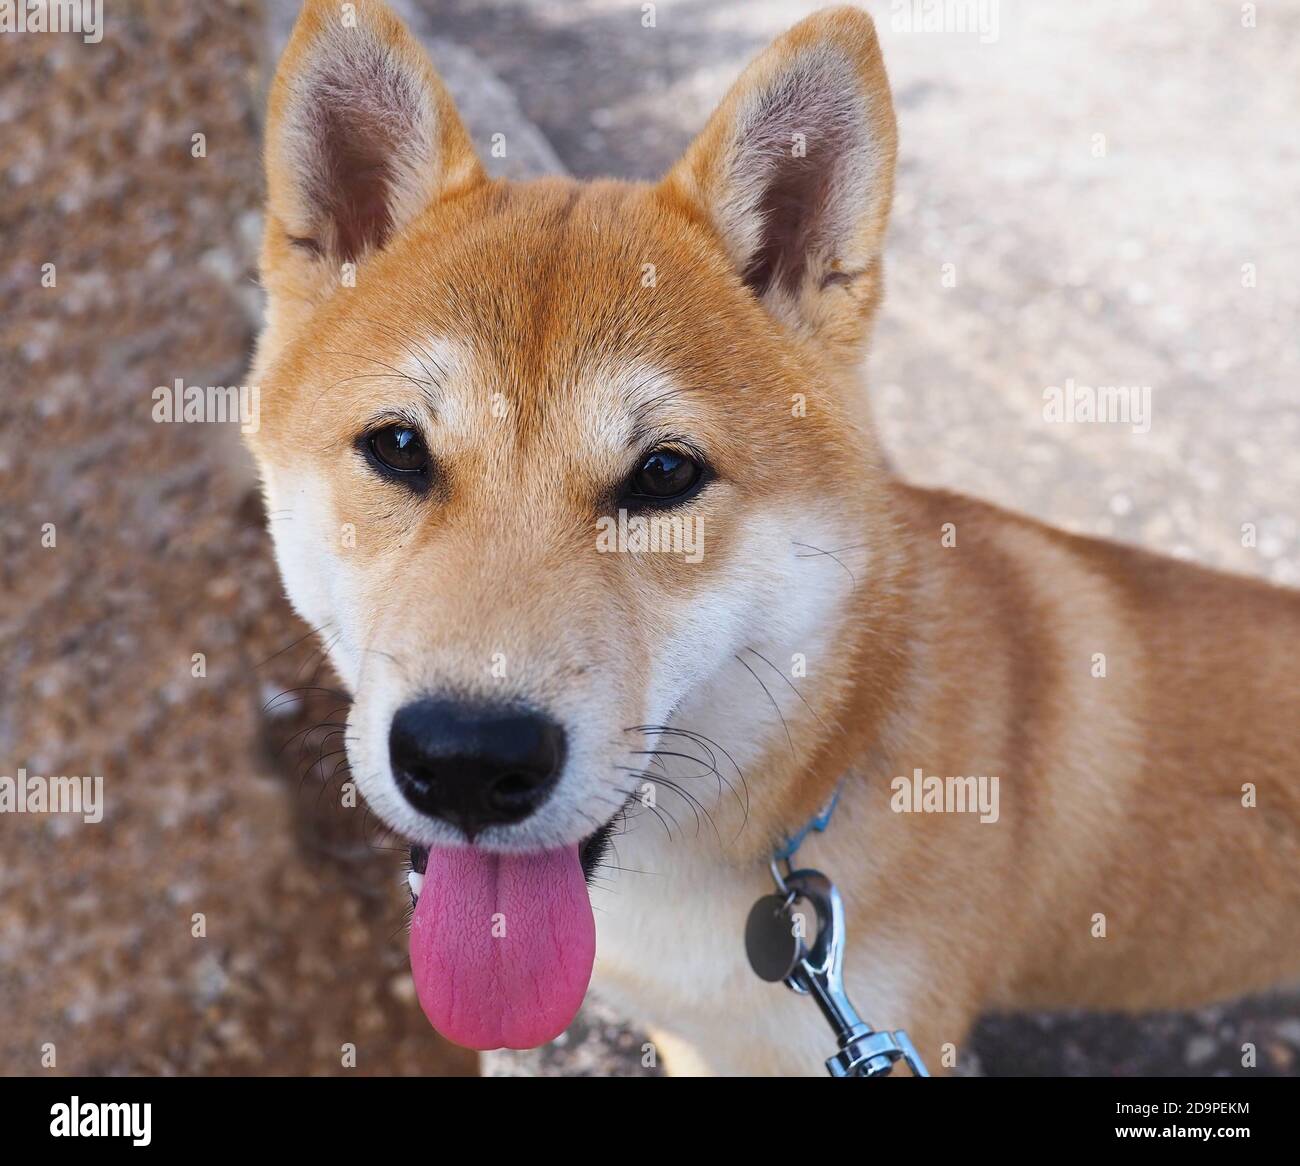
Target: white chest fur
<point>670,954</point>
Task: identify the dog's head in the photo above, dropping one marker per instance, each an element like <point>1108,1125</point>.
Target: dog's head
<point>555,468</point>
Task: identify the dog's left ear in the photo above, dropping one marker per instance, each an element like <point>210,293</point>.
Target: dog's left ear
<point>362,137</point>
<point>795,174</point>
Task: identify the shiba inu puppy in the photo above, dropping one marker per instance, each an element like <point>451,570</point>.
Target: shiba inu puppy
<point>578,483</point>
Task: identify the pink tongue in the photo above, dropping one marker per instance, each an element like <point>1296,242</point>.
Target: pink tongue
<point>502,945</point>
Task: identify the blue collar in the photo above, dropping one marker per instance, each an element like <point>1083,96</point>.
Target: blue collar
<point>786,851</point>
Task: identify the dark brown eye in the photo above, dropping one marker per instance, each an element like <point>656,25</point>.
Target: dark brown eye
<point>664,475</point>
<point>399,448</point>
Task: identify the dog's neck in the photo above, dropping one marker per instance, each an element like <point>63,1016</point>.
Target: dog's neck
<point>783,744</point>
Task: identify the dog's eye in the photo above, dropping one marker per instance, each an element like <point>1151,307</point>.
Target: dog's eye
<point>665,474</point>
<point>399,448</point>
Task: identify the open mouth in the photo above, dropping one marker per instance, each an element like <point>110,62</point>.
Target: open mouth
<point>502,945</point>
<point>591,853</point>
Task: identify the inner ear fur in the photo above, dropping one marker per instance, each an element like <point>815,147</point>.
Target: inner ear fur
<point>362,137</point>
<point>794,175</point>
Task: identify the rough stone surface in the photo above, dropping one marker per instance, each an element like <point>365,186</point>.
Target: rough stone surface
<point>216,820</point>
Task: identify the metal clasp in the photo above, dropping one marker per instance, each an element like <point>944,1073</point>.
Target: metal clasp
<point>863,1051</point>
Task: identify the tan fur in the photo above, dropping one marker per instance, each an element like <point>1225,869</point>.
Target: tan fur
<point>515,318</point>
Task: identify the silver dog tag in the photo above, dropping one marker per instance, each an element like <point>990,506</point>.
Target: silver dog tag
<point>772,941</point>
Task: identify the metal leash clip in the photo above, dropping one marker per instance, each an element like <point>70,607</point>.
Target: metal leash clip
<point>774,942</point>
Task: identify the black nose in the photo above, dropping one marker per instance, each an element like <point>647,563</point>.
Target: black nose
<point>474,765</point>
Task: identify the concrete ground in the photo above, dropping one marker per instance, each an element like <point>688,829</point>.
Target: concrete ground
<point>1098,177</point>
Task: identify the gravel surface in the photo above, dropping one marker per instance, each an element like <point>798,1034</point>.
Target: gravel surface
<point>1120,265</point>
<point>228,915</point>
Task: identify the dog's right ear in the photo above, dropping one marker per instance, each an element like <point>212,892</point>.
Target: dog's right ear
<point>361,137</point>
<point>794,174</point>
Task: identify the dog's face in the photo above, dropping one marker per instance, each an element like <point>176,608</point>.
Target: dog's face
<point>555,469</point>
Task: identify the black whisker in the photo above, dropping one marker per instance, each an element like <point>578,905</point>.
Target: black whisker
<point>770,697</point>
<point>790,684</point>
<point>834,555</point>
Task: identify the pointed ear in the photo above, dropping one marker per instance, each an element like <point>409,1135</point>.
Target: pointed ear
<point>361,137</point>
<point>795,173</point>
